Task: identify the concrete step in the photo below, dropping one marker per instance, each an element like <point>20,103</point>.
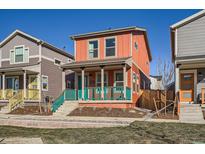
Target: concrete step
<point>66,108</point>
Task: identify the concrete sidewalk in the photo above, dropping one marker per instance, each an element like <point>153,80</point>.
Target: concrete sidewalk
<point>35,121</point>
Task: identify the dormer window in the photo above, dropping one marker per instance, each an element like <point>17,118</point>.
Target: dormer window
<point>110,47</point>
<point>93,49</point>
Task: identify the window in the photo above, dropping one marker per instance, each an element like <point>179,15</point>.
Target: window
<point>57,62</point>
<point>19,55</point>
<point>98,80</point>
<point>119,82</point>
<point>93,49</point>
<point>44,83</point>
<point>135,83</point>
<point>110,47</point>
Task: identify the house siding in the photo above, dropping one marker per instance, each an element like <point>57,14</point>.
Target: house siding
<point>16,41</point>
<point>48,53</point>
<point>54,74</point>
<point>191,38</point>
<point>140,55</point>
<point>32,61</point>
<point>123,48</point>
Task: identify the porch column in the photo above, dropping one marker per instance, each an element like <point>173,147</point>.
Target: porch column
<point>125,80</point>
<point>83,81</point>
<point>63,80</point>
<point>39,86</point>
<point>3,85</point>
<point>102,82</point>
<point>176,79</point>
<point>24,83</point>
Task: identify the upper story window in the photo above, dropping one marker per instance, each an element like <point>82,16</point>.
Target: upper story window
<point>19,54</point>
<point>57,62</point>
<point>110,45</point>
<point>93,49</point>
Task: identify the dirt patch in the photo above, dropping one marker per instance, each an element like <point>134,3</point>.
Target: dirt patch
<point>167,116</point>
<point>106,112</point>
<point>30,110</point>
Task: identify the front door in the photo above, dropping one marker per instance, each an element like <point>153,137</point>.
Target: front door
<point>33,87</point>
<point>187,87</point>
<point>85,87</point>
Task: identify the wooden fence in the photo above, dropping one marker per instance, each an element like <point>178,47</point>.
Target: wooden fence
<point>146,100</point>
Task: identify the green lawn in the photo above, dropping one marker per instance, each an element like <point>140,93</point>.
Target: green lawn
<point>137,132</point>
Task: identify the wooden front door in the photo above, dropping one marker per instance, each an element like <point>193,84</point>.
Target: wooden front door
<point>187,87</point>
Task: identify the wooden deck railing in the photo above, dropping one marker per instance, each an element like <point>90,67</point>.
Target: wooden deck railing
<point>16,100</point>
<point>32,94</point>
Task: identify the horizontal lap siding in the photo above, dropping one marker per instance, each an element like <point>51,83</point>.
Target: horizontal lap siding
<point>140,55</point>
<point>122,46</point>
<point>32,61</point>
<point>54,74</point>
<point>191,38</point>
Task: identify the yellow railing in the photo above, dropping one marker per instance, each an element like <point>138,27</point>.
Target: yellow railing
<point>32,94</point>
<point>16,100</point>
<point>9,93</point>
<point>1,94</point>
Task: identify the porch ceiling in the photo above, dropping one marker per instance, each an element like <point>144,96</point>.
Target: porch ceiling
<point>93,64</point>
<point>191,64</point>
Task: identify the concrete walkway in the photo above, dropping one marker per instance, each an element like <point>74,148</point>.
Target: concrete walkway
<point>35,121</point>
<point>20,140</point>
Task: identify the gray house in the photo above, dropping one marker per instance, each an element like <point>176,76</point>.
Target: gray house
<point>188,55</point>
<point>30,69</point>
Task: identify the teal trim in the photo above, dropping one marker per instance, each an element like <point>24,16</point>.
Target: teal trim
<point>58,102</point>
<point>128,93</point>
<point>70,94</point>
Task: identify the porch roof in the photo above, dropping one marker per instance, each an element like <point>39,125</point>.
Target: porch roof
<point>98,63</point>
<point>17,69</point>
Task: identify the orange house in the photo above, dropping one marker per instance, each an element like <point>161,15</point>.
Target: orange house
<point>111,67</point>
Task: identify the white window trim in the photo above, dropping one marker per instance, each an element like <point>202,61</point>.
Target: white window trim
<point>42,82</point>
<point>58,60</point>
<point>98,73</point>
<point>115,80</point>
<point>15,54</point>
<point>107,57</point>
<point>88,41</point>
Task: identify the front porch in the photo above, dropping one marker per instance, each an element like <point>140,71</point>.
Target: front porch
<point>101,80</point>
<point>19,85</point>
<point>190,83</point>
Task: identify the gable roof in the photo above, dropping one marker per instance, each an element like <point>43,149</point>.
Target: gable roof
<point>113,31</point>
<point>180,24</point>
<point>38,41</point>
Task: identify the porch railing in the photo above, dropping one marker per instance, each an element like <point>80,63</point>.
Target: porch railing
<point>16,100</point>
<point>94,93</point>
<point>32,94</point>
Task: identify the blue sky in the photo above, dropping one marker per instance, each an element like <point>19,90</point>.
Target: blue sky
<point>55,26</point>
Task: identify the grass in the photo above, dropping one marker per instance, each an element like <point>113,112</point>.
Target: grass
<point>137,132</point>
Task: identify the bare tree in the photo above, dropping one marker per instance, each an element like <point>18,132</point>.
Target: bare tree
<point>165,69</point>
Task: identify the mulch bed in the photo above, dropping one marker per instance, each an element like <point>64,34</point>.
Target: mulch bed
<point>107,112</point>
<point>30,110</point>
